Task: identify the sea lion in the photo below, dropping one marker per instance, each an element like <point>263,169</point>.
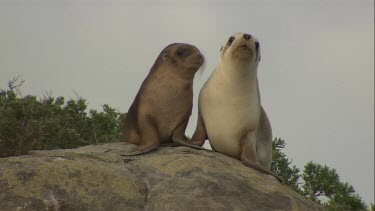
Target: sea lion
<point>230,114</point>
<point>161,109</point>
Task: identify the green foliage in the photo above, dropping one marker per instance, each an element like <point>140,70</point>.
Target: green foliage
<point>27,123</point>
<point>345,202</point>
<point>281,164</point>
<point>322,181</point>
<point>105,126</point>
<point>318,183</point>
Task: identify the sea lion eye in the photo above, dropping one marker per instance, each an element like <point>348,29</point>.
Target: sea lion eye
<point>230,41</point>
<point>257,45</point>
<point>180,53</point>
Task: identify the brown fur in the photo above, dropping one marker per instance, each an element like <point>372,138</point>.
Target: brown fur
<point>162,107</point>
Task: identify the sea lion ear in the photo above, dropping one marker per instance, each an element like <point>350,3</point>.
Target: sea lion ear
<point>221,48</point>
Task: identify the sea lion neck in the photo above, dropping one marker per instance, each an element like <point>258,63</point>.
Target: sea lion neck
<point>236,69</point>
<point>179,73</point>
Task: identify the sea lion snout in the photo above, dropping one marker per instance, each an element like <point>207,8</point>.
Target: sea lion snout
<point>199,58</point>
<point>247,36</point>
<point>245,47</point>
<point>196,60</point>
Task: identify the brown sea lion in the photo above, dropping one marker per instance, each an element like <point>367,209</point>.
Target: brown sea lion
<point>162,107</point>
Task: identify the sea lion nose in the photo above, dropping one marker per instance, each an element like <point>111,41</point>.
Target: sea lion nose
<point>200,57</point>
<point>246,36</point>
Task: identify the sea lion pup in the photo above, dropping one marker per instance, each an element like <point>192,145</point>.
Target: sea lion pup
<point>230,114</point>
<point>162,107</point>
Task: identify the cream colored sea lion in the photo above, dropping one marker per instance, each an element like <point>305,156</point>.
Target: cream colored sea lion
<point>230,114</point>
<point>162,107</point>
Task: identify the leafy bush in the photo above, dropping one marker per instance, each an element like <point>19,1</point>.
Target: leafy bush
<point>281,164</point>
<point>27,123</point>
<point>317,183</point>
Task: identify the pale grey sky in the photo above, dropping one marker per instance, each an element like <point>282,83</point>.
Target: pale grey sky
<point>316,73</point>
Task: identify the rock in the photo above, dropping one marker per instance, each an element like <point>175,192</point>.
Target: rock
<point>97,177</point>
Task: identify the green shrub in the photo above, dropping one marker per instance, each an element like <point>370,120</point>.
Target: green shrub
<point>27,123</point>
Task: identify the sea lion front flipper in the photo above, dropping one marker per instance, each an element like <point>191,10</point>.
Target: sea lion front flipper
<point>150,139</point>
<point>249,148</point>
<point>184,143</point>
<point>249,155</point>
<point>200,134</point>
<point>263,170</point>
<point>179,137</point>
<point>138,152</point>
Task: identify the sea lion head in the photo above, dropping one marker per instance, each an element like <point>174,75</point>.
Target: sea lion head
<point>180,57</point>
<point>241,47</point>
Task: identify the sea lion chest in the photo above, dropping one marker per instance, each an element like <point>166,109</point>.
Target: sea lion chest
<point>167,102</point>
<point>230,108</point>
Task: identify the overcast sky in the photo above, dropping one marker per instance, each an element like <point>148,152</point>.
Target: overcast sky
<point>316,74</point>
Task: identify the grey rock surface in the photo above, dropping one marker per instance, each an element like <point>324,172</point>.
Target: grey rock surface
<point>97,177</point>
